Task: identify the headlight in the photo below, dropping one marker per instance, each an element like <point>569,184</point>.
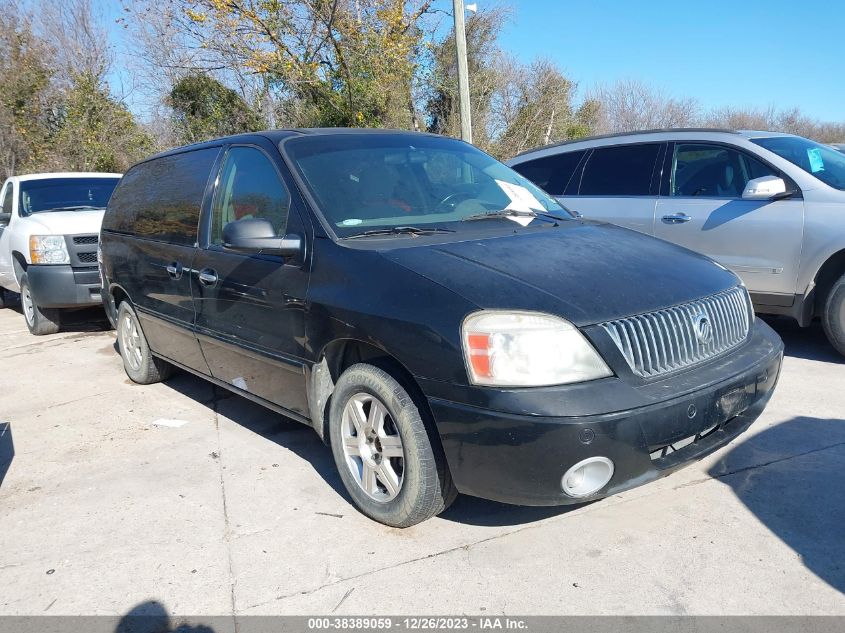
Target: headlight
<point>527,349</point>
<point>48,249</point>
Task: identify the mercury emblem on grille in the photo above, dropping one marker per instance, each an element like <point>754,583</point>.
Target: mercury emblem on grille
<point>703,328</point>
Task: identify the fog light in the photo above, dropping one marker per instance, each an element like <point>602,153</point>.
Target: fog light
<point>587,477</point>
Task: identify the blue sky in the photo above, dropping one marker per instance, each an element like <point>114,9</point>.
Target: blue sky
<point>756,53</point>
<point>744,52</point>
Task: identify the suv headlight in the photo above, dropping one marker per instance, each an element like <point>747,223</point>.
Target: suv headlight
<point>527,349</point>
<point>48,249</point>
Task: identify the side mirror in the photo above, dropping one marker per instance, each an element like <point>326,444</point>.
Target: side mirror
<point>764,188</point>
<point>258,236</point>
<point>5,218</point>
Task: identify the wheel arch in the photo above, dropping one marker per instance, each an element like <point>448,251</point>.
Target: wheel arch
<point>339,355</point>
<point>829,272</point>
<point>19,263</point>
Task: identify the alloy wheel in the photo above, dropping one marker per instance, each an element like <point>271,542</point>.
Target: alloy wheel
<point>130,342</point>
<point>373,447</point>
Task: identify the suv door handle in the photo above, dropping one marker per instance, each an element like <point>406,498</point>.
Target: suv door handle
<point>174,270</point>
<point>208,277</point>
<point>676,218</point>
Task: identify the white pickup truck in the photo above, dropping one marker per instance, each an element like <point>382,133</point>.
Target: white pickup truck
<point>49,228</point>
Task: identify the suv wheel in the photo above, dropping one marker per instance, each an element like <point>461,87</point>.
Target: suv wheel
<point>140,364</point>
<point>833,316</point>
<point>40,321</point>
<point>384,452</point>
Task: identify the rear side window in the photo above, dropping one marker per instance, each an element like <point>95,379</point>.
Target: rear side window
<point>551,173</point>
<point>161,199</point>
<point>622,170</point>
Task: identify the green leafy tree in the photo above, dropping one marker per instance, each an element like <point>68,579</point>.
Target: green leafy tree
<point>204,108</point>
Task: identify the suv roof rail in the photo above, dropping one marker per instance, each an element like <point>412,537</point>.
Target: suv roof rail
<point>630,133</point>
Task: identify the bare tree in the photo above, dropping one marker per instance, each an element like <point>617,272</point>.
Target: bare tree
<point>78,39</point>
<point>633,105</point>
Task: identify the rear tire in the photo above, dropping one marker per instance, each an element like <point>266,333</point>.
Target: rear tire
<point>40,321</point>
<point>140,364</point>
<point>833,315</point>
<point>389,460</point>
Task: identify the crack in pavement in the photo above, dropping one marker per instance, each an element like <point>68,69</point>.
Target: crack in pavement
<point>609,502</point>
<point>227,532</point>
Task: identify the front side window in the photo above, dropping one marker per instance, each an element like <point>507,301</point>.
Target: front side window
<point>249,187</point>
<point>825,163</point>
<point>621,170</point>
<point>712,171</point>
<point>65,194</point>
<point>382,181</point>
<point>7,198</point>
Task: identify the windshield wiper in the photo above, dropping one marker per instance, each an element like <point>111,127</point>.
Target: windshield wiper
<point>80,207</point>
<point>401,230</point>
<point>513,213</point>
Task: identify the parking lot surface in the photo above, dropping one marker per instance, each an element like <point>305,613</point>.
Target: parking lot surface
<point>116,497</point>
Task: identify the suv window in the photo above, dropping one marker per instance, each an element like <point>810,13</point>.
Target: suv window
<point>7,198</point>
<point>249,187</point>
<point>621,170</point>
<point>712,171</point>
<point>161,198</point>
<point>551,173</point>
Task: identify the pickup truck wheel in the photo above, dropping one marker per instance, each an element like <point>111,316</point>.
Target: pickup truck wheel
<point>140,364</point>
<point>40,321</point>
<point>384,451</point>
<point>833,316</point>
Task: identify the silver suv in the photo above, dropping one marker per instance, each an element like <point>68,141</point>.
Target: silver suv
<point>771,207</point>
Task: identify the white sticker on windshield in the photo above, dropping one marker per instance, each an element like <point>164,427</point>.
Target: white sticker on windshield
<point>816,162</point>
<point>521,200</point>
<point>351,222</point>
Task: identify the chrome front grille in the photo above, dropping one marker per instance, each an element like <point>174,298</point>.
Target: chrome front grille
<point>668,340</point>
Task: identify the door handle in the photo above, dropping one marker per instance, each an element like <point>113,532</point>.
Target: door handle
<point>174,270</point>
<point>208,277</point>
<point>676,218</point>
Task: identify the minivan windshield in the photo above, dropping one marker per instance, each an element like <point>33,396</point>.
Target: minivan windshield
<point>821,161</point>
<point>412,183</point>
<point>65,194</point>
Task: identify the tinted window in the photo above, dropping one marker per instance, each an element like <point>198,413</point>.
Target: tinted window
<point>623,170</point>
<point>551,173</point>
<point>65,194</point>
<point>161,199</point>
<point>714,171</point>
<point>249,187</point>
<point>7,199</point>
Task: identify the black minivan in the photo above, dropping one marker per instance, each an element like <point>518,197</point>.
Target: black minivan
<point>440,321</point>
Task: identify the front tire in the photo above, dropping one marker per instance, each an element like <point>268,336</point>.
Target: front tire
<point>140,364</point>
<point>40,321</point>
<point>833,316</point>
<point>386,457</point>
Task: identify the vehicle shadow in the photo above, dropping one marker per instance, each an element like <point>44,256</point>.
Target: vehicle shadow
<point>795,485</point>
<point>809,343</point>
<point>91,319</point>
<point>304,442</point>
<point>7,449</point>
<point>152,617</point>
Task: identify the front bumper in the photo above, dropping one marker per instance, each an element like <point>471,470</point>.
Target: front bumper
<point>520,458</point>
<point>64,286</point>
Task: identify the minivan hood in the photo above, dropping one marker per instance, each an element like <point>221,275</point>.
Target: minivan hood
<point>583,271</point>
<point>66,222</point>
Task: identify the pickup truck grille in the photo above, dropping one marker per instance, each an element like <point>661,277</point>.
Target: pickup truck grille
<point>82,249</point>
<point>669,340</point>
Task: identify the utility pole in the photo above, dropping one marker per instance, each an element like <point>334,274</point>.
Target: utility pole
<point>463,71</point>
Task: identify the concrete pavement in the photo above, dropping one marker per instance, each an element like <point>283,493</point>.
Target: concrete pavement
<point>238,511</point>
